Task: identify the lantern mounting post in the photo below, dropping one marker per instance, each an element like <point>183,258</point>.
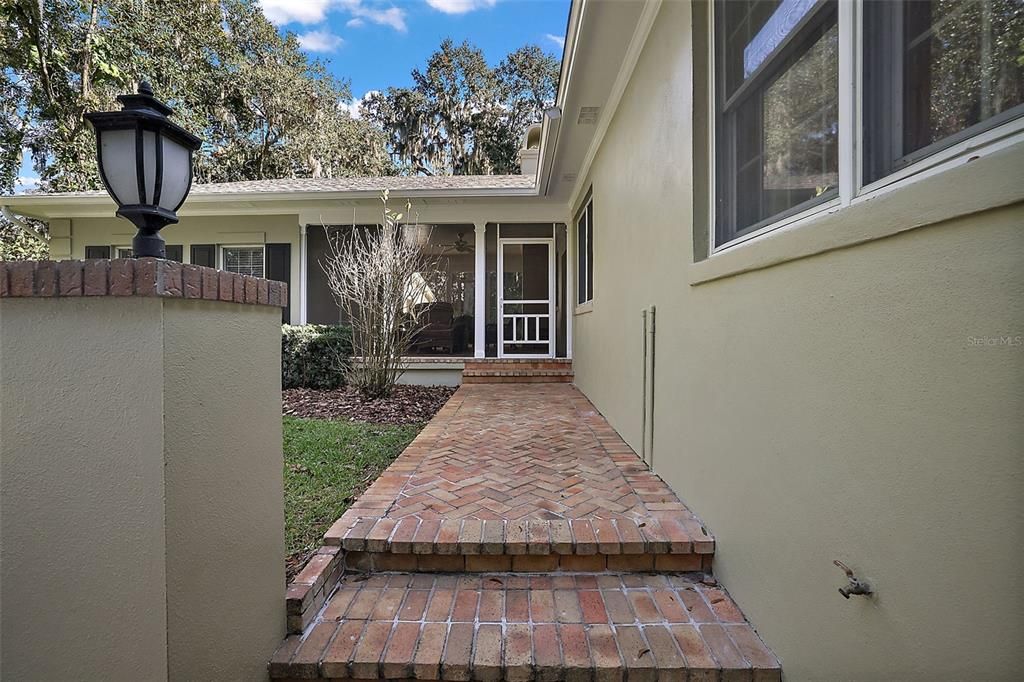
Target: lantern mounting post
<point>145,162</point>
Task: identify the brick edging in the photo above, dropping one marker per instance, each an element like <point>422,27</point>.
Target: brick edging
<point>135,277</point>
<point>311,587</point>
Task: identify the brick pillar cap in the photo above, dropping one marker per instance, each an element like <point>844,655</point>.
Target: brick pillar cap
<point>135,277</point>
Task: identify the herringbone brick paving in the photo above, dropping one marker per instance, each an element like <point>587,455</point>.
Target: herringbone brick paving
<point>509,453</point>
<point>505,469</point>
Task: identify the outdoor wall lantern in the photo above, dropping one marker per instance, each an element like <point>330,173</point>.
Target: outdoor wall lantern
<point>145,161</point>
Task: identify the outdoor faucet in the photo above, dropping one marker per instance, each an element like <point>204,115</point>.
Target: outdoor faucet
<point>856,586</point>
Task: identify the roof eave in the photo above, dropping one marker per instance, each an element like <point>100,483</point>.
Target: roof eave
<point>60,206</point>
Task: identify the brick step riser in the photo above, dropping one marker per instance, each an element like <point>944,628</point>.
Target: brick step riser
<point>310,589</point>
<point>517,380</point>
<point>531,373</point>
<point>516,365</point>
<point>518,372</point>
<point>369,562</point>
<point>514,372</point>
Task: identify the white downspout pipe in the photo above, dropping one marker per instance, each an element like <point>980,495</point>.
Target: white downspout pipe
<point>14,218</point>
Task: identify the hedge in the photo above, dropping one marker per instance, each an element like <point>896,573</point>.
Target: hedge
<point>314,355</point>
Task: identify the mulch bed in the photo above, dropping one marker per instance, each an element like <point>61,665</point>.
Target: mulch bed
<point>407,404</point>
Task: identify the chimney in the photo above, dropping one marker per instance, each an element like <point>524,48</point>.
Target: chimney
<point>530,152</point>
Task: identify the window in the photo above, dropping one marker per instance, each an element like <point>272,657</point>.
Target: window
<point>585,253</point>
<point>777,110</point>
<point>245,260</point>
<point>936,73</point>
<point>123,251</point>
<point>932,73</point>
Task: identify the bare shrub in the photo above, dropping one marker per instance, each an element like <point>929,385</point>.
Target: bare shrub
<point>377,275</point>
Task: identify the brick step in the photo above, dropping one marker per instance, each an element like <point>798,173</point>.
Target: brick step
<point>513,365</point>
<point>519,361</point>
<point>527,627</point>
<point>517,380</point>
<point>530,542</point>
<point>517,372</point>
<point>529,379</point>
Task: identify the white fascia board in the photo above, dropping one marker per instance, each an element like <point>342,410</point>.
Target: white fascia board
<point>236,203</point>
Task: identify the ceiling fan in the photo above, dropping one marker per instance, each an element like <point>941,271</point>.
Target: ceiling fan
<point>460,244</point>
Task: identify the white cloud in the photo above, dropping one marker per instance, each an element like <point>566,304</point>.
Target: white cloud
<point>295,11</point>
<point>392,16</point>
<point>557,40</point>
<point>353,106</point>
<point>25,184</point>
<point>320,41</point>
<point>281,12</point>
<point>460,6</point>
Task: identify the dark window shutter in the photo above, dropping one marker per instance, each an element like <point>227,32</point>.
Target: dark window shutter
<point>204,254</point>
<point>97,252</point>
<point>174,252</point>
<point>279,268</point>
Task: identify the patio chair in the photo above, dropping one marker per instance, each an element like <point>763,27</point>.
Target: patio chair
<point>437,327</point>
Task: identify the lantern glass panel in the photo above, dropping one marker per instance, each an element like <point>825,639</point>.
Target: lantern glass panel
<point>177,173</point>
<point>149,139</point>
<point>117,158</point>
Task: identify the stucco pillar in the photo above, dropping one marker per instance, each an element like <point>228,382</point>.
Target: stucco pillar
<point>141,505</point>
<point>480,293</point>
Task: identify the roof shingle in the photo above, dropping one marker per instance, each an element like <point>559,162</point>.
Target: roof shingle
<point>419,183</point>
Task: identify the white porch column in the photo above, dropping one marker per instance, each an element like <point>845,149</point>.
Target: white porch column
<point>302,273</point>
<point>479,294</point>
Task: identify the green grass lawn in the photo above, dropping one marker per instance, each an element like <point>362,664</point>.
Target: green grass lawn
<point>326,465</point>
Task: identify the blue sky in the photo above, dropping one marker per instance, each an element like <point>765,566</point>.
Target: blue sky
<point>376,43</point>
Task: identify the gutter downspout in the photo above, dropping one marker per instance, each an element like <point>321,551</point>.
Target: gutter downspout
<point>11,216</point>
<point>643,391</point>
<point>647,429</point>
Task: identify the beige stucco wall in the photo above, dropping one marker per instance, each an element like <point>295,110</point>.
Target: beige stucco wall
<point>224,230</point>
<point>225,505</point>
<point>834,406</point>
<point>82,588</point>
<point>142,527</point>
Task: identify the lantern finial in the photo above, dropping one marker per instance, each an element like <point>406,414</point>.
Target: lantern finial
<point>145,88</point>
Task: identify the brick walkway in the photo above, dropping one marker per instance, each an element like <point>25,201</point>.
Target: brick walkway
<point>520,469</point>
<point>518,537</point>
<point>523,452</point>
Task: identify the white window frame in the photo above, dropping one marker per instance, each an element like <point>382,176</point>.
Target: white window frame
<point>220,254</point>
<point>581,274</point>
<point>116,248</point>
<point>852,190</point>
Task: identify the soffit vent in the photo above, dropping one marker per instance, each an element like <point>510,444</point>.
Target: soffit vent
<point>588,116</point>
